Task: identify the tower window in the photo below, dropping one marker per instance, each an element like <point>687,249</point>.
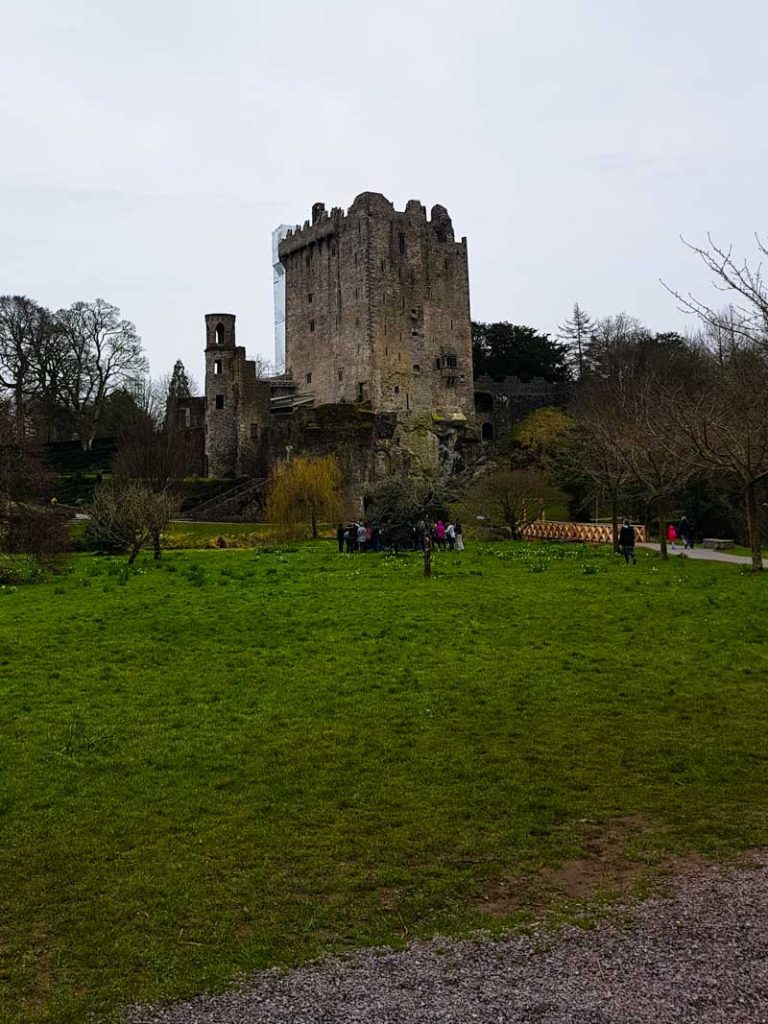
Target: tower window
<point>397,390</point>
<point>309,378</point>
<point>382,265</point>
<point>340,375</point>
<point>333,248</point>
<point>401,240</point>
<point>450,362</point>
<point>311,325</point>
<point>309,297</point>
<point>308,260</point>
<point>219,334</point>
<point>217,366</point>
<point>219,401</point>
<point>416,368</point>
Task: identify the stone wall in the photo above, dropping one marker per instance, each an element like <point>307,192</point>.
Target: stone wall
<point>499,405</point>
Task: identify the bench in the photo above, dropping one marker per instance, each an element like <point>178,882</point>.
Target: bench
<point>717,543</point>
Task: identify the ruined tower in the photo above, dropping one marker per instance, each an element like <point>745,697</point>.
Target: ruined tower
<point>377,309</point>
<point>237,403</point>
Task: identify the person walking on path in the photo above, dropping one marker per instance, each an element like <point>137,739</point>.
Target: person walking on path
<point>686,533</point>
<point>450,533</point>
<point>457,531</point>
<point>671,534</point>
<point>340,537</point>
<point>627,542</point>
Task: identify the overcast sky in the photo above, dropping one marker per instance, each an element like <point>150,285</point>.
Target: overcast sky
<point>149,149</point>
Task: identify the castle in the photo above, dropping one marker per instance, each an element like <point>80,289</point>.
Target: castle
<point>374,341</point>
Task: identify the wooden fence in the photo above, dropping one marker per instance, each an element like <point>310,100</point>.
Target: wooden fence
<point>587,533</point>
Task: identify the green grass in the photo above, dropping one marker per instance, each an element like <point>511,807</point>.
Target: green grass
<point>237,758</point>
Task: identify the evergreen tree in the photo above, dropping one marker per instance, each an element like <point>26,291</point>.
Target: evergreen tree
<point>513,350</point>
<point>180,385</point>
<point>577,332</point>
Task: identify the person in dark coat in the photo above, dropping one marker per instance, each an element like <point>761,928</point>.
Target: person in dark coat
<point>627,542</point>
<point>340,537</point>
<point>686,533</point>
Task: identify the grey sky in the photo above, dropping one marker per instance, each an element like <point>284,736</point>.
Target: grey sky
<point>150,148</point>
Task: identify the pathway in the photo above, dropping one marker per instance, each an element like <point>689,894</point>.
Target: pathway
<point>701,955</point>
<point>705,554</point>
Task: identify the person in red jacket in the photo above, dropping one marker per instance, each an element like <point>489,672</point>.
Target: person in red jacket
<point>671,534</point>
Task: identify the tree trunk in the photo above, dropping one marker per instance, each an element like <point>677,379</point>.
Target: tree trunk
<point>663,535</point>
<point>156,541</point>
<point>314,523</point>
<point>427,554</point>
<point>753,526</point>
<point>615,522</point>
<point>134,552</point>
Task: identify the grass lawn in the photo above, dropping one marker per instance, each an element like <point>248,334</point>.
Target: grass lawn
<point>237,758</point>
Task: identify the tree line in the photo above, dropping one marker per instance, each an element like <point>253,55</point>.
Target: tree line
<point>77,372</point>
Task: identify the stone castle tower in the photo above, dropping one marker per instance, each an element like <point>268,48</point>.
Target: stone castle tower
<point>237,402</point>
<point>377,309</point>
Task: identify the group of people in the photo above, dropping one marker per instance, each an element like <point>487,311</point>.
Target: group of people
<point>443,535</point>
<point>359,536</point>
<point>681,532</point>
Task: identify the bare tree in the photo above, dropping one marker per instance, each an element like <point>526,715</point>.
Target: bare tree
<point>25,329</point>
<point>725,421</point>
<point>128,516</point>
<point>748,313</point>
<point>104,353</point>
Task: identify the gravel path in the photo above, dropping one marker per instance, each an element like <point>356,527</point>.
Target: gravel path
<point>701,955</point>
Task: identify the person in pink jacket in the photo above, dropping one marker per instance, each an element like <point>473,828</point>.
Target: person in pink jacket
<point>440,533</point>
<point>671,534</point>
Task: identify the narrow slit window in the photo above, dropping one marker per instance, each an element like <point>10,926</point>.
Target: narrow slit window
<point>309,378</point>
<point>217,366</point>
<point>401,240</point>
<point>219,401</point>
<point>310,296</point>
<point>340,375</point>
<point>311,325</point>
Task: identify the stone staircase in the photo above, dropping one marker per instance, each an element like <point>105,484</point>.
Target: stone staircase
<point>230,506</point>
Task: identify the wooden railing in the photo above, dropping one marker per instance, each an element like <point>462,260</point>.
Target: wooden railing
<point>586,533</point>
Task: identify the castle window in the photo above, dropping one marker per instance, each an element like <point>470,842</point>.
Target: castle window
<point>450,362</point>
<point>217,366</point>
<point>401,239</point>
<point>382,265</point>
<point>416,368</point>
<point>386,350</point>
<point>356,293</point>
<point>340,375</point>
<point>357,321</point>
<point>445,263</point>
<point>407,400</point>
<point>254,431</point>
<point>450,382</point>
<point>487,431</point>
<point>309,378</point>
<point>308,260</point>
<point>309,297</point>
<point>333,248</point>
<point>438,363</point>
<point>397,390</point>
<point>219,334</point>
<point>219,401</point>
<point>311,325</point>
<point>355,259</point>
